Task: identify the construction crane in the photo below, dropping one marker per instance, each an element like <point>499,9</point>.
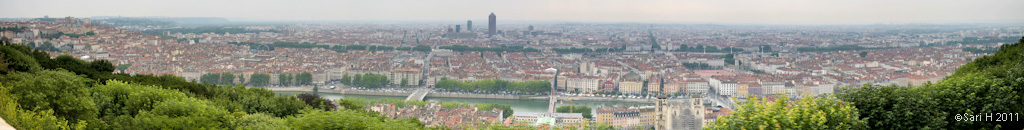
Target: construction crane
<point>574,98</point>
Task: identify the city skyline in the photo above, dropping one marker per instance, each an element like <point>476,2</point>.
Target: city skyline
<point>654,11</point>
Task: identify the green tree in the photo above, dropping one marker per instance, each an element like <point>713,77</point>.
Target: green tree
<point>358,80</point>
<point>259,79</point>
<point>404,82</point>
<point>729,58</point>
<point>304,78</point>
<point>210,78</point>
<point>119,98</point>
<point>63,92</point>
<point>19,118</point>
<point>334,120</point>
<point>241,79</point>
<point>283,79</point>
<point>122,67</point>
<point>185,113</point>
<point>818,113</point>
<point>102,66</point>
<point>585,110</point>
<point>16,60</point>
<point>227,78</point>
<point>895,107</point>
<point>259,121</point>
<point>863,54</point>
<point>346,80</point>
<point>316,101</point>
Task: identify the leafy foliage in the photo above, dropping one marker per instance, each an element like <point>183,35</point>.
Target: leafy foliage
<point>260,122</point>
<point>895,107</point>
<point>25,119</point>
<point>462,48</point>
<point>259,79</point>
<point>17,61</point>
<point>699,66</point>
<point>63,92</point>
<point>119,98</point>
<point>348,120</point>
<point>494,85</point>
<point>285,79</point>
<point>371,80</point>
<point>729,58</point>
<point>68,93</point>
<point>346,80</point>
<point>820,113</point>
<point>316,101</point>
<point>585,110</point>
<point>304,78</point>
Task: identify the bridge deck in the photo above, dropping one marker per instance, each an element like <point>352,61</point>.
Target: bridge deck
<point>418,95</point>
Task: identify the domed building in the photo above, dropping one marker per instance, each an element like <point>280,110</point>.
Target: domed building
<point>631,83</point>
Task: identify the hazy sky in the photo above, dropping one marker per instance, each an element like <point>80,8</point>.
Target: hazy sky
<point>661,11</point>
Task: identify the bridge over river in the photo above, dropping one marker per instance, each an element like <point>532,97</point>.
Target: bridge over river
<point>419,94</point>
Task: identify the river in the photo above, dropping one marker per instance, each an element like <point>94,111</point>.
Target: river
<point>517,105</point>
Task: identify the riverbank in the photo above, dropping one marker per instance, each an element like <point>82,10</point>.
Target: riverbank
<point>459,95</point>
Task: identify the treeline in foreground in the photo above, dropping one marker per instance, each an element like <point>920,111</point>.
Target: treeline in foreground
<point>39,92</point>
<point>989,85</point>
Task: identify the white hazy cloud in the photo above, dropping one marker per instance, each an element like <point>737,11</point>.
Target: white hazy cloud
<point>691,11</point>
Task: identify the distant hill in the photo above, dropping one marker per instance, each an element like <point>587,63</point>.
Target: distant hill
<point>159,21</point>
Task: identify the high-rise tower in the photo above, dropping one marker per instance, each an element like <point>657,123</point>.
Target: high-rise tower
<point>492,25</point>
<point>469,25</point>
<point>458,28</point>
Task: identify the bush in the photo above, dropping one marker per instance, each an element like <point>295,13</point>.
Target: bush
<point>820,113</point>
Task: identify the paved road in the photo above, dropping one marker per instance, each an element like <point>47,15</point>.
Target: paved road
<point>4,125</point>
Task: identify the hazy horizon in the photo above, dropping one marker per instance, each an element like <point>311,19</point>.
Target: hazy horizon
<point>604,11</point>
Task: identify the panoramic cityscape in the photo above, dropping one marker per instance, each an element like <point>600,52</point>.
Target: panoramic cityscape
<point>568,68</point>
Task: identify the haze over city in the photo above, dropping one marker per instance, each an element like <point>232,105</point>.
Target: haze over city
<point>511,64</point>
<point>647,11</point>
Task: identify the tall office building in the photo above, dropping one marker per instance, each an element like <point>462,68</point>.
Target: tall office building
<point>492,27</point>
<point>458,28</point>
<point>469,25</point>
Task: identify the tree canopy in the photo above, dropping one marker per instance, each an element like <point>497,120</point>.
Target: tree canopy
<point>818,113</point>
<point>38,92</point>
<point>585,110</point>
<point>494,85</point>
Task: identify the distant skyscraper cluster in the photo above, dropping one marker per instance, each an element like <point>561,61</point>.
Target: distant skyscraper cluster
<point>492,29</point>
